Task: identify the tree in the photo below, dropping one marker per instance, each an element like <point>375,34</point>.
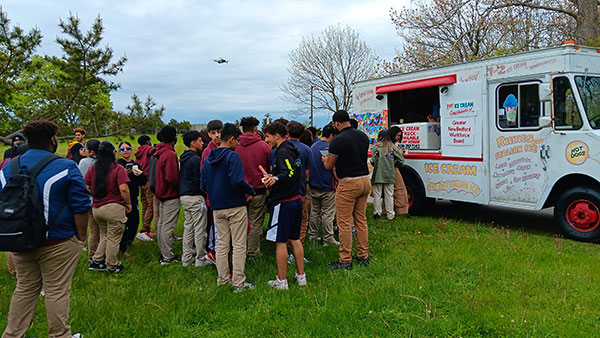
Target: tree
<point>326,67</point>
<point>16,51</point>
<point>181,127</point>
<point>440,32</point>
<point>143,117</point>
<point>584,13</point>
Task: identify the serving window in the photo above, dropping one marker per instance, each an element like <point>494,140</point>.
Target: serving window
<point>518,106</point>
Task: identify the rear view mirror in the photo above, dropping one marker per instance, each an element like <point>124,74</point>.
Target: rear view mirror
<point>545,92</point>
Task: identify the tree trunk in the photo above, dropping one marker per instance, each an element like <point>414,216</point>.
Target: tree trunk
<point>587,31</point>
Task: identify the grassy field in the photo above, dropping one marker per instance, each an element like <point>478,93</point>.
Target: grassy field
<point>450,274</point>
<point>460,271</point>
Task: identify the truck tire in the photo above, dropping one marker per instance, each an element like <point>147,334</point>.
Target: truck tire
<point>577,214</point>
<point>418,203</point>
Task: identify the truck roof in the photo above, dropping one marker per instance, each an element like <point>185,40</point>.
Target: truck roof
<point>568,48</point>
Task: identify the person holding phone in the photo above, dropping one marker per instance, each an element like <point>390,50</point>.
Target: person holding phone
<point>137,179</point>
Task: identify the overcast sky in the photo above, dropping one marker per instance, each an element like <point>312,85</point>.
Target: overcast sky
<point>171,44</point>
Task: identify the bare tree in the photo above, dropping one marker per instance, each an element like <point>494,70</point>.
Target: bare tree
<point>439,32</point>
<point>326,66</point>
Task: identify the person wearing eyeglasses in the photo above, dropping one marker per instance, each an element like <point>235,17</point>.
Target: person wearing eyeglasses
<point>137,179</point>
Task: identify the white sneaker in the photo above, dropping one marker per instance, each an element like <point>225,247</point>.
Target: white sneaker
<point>143,236</point>
<point>331,242</point>
<point>202,262</point>
<point>280,284</point>
<point>291,260</point>
<point>77,335</point>
<point>301,279</point>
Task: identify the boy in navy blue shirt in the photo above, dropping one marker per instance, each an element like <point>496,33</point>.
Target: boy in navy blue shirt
<point>51,265</point>
<point>223,179</point>
<point>322,190</point>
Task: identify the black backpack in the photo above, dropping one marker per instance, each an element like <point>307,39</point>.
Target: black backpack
<point>152,165</point>
<point>22,223</point>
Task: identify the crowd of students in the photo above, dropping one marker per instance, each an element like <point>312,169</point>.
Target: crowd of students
<point>226,181</point>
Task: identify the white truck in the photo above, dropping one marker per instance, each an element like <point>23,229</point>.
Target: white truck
<point>519,131</point>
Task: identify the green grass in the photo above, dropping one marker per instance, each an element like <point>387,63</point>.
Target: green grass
<point>429,276</point>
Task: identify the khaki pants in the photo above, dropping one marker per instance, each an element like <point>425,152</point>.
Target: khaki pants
<point>305,212</point>
<point>147,199</point>
<point>194,227</point>
<point>93,235</point>
<point>400,195</point>
<point>156,211</point>
<point>10,265</point>
<point>256,215</point>
<point>169,214</point>
<point>351,205</point>
<point>388,195</point>
<point>50,266</point>
<point>232,226</point>
<point>111,220</point>
<point>322,212</point>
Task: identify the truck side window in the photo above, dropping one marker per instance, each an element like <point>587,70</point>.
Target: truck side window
<point>518,106</point>
<point>566,112</point>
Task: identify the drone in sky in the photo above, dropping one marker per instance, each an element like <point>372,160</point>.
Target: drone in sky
<point>221,61</point>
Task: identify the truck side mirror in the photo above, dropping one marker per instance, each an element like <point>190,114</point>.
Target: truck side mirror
<point>545,92</point>
<point>545,121</point>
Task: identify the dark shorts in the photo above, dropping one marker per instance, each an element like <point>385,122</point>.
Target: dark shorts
<point>288,220</point>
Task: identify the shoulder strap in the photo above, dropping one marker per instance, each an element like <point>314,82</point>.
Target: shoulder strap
<point>15,165</point>
<point>41,164</point>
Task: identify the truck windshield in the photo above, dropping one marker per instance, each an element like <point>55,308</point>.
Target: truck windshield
<point>589,89</point>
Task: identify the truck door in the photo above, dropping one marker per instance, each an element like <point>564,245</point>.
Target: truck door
<point>518,153</point>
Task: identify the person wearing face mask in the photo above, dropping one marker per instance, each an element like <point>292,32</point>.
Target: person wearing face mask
<point>51,265</point>
<point>137,179</point>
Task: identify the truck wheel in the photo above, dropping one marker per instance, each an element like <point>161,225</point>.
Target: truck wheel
<point>577,213</point>
<point>417,201</point>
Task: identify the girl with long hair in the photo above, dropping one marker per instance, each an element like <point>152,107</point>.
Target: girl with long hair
<point>386,157</point>
<point>107,182</point>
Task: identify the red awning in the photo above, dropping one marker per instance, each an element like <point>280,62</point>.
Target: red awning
<point>431,82</point>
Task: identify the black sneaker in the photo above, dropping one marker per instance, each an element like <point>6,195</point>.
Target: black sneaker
<point>375,216</point>
<point>97,266</point>
<point>338,265</point>
<point>164,261</point>
<point>116,269</point>
<point>361,261</point>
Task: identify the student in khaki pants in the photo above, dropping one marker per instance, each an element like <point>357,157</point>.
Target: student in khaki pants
<point>53,263</point>
<point>107,182</point>
<point>223,178</point>
<point>348,154</point>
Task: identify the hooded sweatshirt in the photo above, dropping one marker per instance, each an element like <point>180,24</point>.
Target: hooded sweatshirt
<point>287,168</point>
<point>211,145</point>
<point>254,152</point>
<point>189,174</point>
<point>223,179</point>
<point>142,155</point>
<point>167,172</point>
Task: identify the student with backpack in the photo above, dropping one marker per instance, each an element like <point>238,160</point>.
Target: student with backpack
<point>108,184</point>
<point>62,202</point>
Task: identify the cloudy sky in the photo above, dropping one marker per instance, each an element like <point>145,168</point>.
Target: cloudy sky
<point>171,44</point>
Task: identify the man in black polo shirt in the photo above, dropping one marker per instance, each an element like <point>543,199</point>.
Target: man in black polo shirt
<point>348,153</point>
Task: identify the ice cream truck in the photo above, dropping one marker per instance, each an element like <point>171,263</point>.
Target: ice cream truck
<point>520,131</point>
